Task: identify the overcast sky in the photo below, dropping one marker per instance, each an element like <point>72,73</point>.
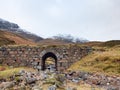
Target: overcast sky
<point>90,19</point>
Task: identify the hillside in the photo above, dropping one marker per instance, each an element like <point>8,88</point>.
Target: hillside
<point>50,41</point>
<point>4,40</point>
<point>107,61</point>
<point>92,43</point>
<point>110,43</point>
<point>9,38</point>
<point>14,28</point>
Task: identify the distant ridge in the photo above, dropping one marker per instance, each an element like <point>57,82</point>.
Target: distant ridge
<point>110,43</point>
<point>14,28</point>
<point>50,41</point>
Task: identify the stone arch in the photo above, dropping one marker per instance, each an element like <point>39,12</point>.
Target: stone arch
<point>47,55</point>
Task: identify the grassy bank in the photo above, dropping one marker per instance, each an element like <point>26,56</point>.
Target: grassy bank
<point>6,71</point>
<point>107,62</point>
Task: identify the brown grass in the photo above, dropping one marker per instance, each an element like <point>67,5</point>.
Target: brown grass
<point>107,62</point>
<point>15,38</point>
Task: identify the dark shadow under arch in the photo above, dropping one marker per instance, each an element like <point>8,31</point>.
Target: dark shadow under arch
<point>47,55</point>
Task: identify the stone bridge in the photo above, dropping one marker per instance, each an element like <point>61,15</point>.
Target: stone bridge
<point>34,56</point>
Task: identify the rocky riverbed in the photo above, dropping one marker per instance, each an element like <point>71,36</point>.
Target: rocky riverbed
<point>55,80</point>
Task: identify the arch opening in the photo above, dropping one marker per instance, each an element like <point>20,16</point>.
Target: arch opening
<point>49,61</point>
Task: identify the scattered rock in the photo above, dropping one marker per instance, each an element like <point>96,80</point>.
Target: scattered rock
<point>37,88</point>
<point>32,80</point>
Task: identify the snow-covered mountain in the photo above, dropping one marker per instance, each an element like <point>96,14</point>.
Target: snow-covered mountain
<point>14,28</point>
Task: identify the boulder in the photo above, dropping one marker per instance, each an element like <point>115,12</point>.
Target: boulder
<point>53,87</point>
<point>5,85</point>
<point>31,80</point>
<point>37,88</point>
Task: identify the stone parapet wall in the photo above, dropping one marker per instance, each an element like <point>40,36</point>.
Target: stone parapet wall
<point>31,55</point>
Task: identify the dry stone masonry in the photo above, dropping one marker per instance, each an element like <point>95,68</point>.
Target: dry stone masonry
<point>35,56</point>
